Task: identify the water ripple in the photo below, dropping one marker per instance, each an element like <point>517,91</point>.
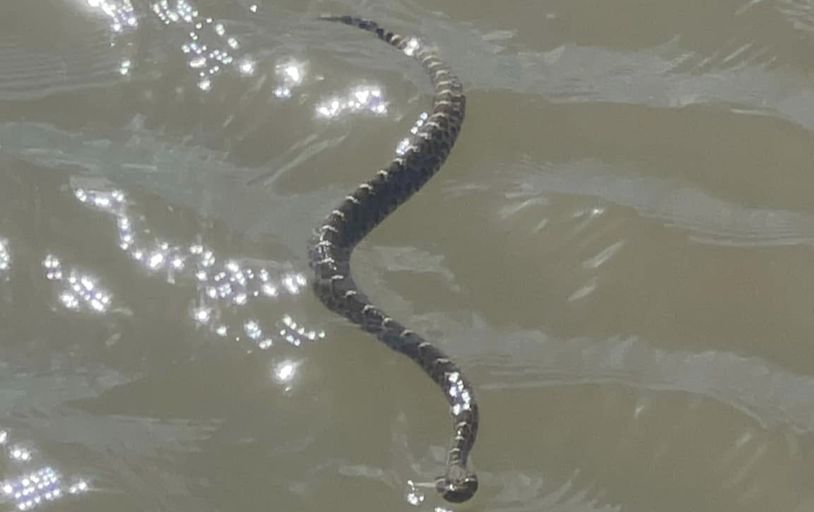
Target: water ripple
<point>765,392</point>
<point>706,218</point>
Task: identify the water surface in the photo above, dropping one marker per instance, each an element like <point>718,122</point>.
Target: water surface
<point>618,253</point>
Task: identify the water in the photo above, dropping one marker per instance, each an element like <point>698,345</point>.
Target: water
<point>617,253</point>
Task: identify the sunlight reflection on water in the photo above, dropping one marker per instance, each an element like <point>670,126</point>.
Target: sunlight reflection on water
<point>79,291</point>
<point>5,259</point>
<point>34,484</point>
<point>120,12</point>
<point>224,286</point>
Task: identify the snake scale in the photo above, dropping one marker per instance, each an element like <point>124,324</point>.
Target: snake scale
<point>361,211</point>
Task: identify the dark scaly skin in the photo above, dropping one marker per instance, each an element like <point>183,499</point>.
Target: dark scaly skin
<point>363,210</point>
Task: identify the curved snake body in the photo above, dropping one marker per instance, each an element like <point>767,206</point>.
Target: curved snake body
<point>363,210</point>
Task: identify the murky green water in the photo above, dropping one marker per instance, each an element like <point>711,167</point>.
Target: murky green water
<point>618,253</point>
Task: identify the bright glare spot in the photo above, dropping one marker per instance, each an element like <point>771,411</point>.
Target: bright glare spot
<point>18,453</point>
<point>197,62</point>
<point>406,145</point>
<point>363,99</point>
<point>412,45</point>
<point>253,330</point>
<point>292,72</point>
<point>156,260</point>
<point>282,92</point>
<point>119,12</point>
<point>69,300</point>
<point>285,371</point>
<point>79,487</point>
<point>246,67</point>
<point>201,315</point>
<point>414,496</point>
<point>5,256</point>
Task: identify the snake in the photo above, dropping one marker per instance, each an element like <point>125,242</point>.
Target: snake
<point>329,251</point>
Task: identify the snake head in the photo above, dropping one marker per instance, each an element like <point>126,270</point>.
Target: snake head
<point>458,485</point>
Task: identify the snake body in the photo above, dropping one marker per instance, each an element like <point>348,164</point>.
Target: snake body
<point>361,211</point>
